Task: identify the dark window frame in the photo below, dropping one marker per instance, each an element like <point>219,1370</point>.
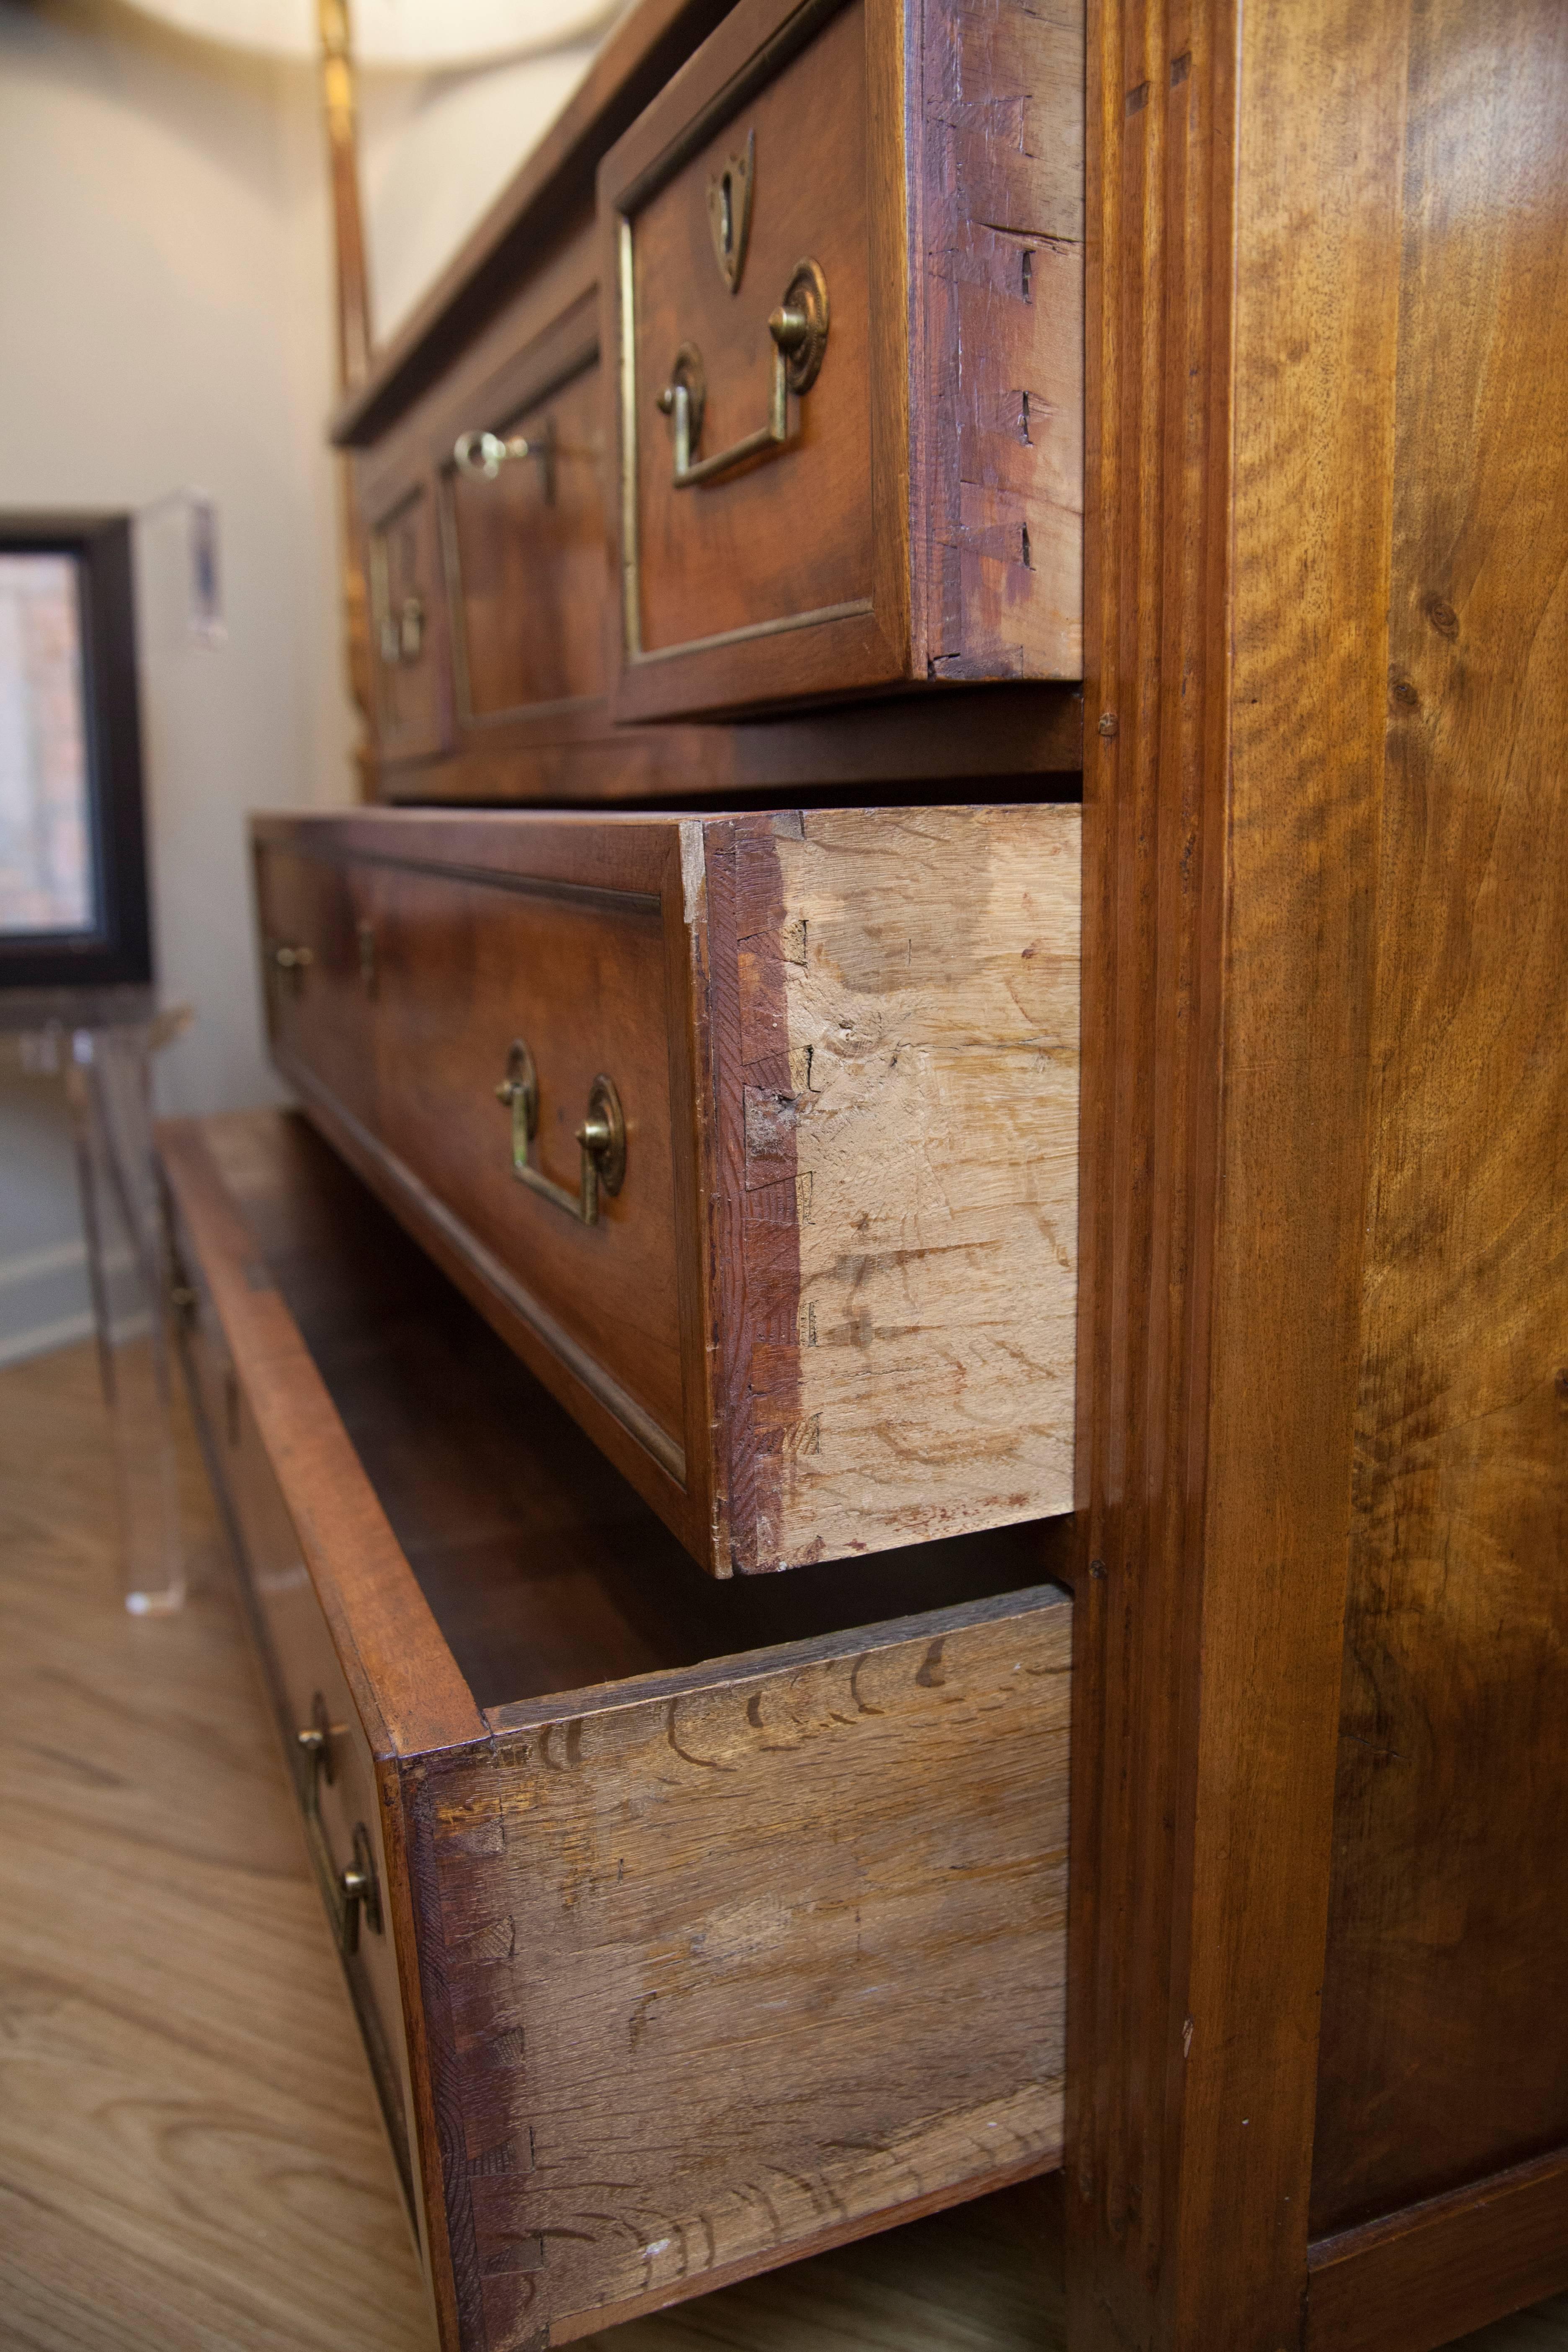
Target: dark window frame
<point>118,949</point>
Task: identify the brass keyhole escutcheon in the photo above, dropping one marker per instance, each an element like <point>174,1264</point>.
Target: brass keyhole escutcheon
<point>730,211</point>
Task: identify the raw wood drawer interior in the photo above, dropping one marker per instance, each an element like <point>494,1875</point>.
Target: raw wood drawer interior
<point>815,1295</point>
<point>543,1569</point>
<point>694,1888</point>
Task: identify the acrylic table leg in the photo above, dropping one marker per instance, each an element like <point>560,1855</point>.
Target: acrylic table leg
<point>109,1087</point>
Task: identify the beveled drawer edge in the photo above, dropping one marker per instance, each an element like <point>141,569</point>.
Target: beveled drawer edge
<point>403,1677</point>
<point>779,1657</point>
<point>764,63</point>
<point>602,899</point>
<point>383,2069</point>
<point>292,1390</point>
<point>858,608</point>
<point>639,1424</point>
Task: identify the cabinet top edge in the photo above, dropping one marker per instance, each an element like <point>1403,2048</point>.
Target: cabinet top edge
<point>782,1658</point>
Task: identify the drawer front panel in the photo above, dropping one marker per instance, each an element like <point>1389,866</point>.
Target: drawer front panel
<point>842,268</point>
<point>466,969</point>
<point>529,561</point>
<point>405,639</point>
<point>787,534</point>
<point>319,947</point>
<point>337,1784</point>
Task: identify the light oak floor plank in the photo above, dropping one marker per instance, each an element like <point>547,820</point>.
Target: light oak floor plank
<point>190,2154</point>
<point>191,2157</point>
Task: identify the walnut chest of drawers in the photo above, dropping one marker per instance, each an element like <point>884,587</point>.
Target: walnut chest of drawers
<point>657,1897</point>
<point>815,273</point>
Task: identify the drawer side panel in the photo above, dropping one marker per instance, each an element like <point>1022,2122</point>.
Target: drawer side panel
<point>740,1972</point>
<point>895,1076</point>
<point>996,180</point>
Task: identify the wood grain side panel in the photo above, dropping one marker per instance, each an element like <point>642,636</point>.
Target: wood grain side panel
<point>1159,264</point>
<point>830,2297</point>
<point>765,1960</point>
<point>1438,2269</point>
<point>1244,192</point>
<point>1445,2040</point>
<point>893,1042</point>
<point>735,908</point>
<point>996,426</point>
<point>1315,323</point>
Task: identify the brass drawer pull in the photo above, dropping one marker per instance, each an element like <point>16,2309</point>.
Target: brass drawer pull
<point>799,330</point>
<point>402,635</point>
<point>292,960</point>
<point>481,455</point>
<point>353,1891</point>
<point>603,1137</point>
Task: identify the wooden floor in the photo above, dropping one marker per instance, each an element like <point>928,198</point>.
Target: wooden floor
<point>190,2155</point>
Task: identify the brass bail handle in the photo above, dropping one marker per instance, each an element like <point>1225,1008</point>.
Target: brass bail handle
<point>481,455</point>
<point>292,959</point>
<point>799,332</point>
<point>351,1890</point>
<point>602,1138</point>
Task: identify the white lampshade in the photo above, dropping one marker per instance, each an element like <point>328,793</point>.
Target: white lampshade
<point>400,33</point>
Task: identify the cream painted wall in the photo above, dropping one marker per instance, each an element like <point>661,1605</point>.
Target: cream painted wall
<point>164,291</point>
<point>434,151</point>
<point>165,319</point>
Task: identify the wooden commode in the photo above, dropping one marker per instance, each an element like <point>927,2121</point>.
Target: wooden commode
<point>671,1656</point>
<point>955,995</point>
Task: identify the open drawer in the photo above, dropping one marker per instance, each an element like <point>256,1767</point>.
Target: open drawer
<point>780,1195</point>
<point>706,1924</point>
